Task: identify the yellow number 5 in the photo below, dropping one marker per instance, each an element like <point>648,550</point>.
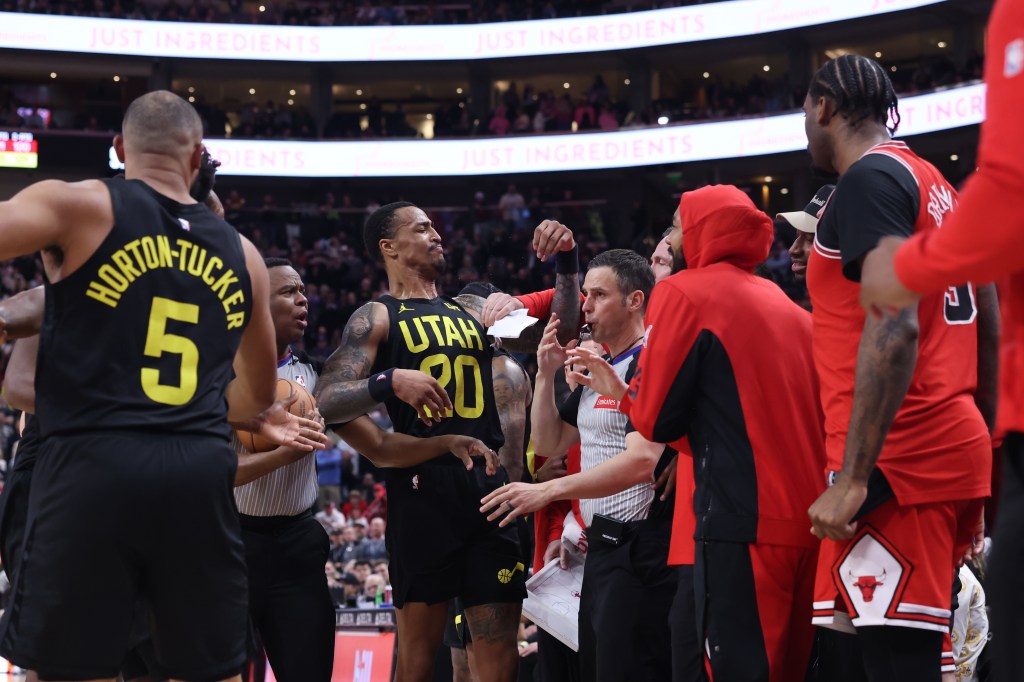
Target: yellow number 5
<point>158,342</point>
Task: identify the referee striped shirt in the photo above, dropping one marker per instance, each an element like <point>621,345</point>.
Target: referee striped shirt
<point>291,489</point>
<point>603,430</point>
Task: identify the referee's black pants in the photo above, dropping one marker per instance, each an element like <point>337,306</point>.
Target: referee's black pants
<point>624,606</point>
<point>289,602</point>
<point>1004,587</point>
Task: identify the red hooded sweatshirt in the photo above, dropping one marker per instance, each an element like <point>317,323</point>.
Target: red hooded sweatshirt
<point>727,362</point>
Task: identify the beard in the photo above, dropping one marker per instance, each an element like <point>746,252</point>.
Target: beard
<point>678,261</point>
<point>440,264</point>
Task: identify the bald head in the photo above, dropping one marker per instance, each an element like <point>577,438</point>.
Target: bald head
<point>160,122</point>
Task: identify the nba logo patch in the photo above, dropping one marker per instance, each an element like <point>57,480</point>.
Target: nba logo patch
<point>416,482</point>
<point>185,225</point>
<point>1014,62</point>
<point>300,380</point>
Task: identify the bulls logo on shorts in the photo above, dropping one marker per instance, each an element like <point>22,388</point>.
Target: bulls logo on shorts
<point>873,575</point>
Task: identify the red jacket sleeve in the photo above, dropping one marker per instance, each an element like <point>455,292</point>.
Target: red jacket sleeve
<point>656,402</point>
<point>538,304</point>
<point>983,239</point>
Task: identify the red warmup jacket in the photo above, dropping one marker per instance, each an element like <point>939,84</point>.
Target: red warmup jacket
<point>983,240</point>
<point>547,522</point>
<point>727,362</point>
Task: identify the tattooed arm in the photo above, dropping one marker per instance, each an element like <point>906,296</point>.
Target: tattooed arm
<point>343,390</point>
<point>885,366</point>
<point>512,394</point>
<point>566,302</point>
<point>986,395</point>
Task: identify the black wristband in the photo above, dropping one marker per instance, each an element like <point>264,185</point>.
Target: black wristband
<point>568,262</point>
<point>380,385</point>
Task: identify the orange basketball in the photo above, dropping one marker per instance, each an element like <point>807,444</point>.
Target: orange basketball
<point>286,388</point>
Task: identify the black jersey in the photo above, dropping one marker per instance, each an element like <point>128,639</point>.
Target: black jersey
<point>440,338</point>
<point>143,335</point>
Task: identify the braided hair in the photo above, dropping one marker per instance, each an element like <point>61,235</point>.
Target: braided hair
<point>860,88</point>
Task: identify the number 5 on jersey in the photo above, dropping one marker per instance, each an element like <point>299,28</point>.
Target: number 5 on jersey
<point>158,342</point>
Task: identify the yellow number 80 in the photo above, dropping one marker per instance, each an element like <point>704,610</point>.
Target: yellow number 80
<point>463,364</point>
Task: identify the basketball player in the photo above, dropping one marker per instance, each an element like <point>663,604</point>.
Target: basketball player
<point>162,349</point>
<point>425,356</point>
<point>931,261</point>
<point>909,453</point>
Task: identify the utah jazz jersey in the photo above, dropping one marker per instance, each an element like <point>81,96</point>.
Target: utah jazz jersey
<point>143,335</point>
<point>439,338</point>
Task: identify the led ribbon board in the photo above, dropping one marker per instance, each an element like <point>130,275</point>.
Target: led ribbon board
<point>625,31</point>
<point>671,144</point>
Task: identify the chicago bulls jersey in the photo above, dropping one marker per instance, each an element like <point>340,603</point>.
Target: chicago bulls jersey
<point>938,446</point>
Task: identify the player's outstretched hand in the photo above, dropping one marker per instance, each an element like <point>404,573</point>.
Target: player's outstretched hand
<point>466,448</point>
<point>832,513</point>
<point>515,499</point>
<point>280,426</point>
<point>497,306</point>
<point>880,289</point>
<point>551,237</point>
<point>602,376</point>
<point>422,391</point>
<point>667,479</point>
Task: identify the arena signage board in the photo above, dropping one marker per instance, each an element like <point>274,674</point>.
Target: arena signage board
<point>670,144</point>
<point>438,42</point>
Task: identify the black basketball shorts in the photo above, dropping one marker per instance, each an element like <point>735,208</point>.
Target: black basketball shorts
<point>441,546</point>
<point>124,515</point>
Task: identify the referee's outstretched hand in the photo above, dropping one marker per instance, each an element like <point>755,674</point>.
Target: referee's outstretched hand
<point>515,499</point>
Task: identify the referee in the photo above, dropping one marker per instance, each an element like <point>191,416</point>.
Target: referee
<point>627,585</point>
<point>285,547</point>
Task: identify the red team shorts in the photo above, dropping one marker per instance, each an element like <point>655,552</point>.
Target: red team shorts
<point>897,569</point>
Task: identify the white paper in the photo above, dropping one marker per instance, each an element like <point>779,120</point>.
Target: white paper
<point>553,600</point>
<point>512,325</point>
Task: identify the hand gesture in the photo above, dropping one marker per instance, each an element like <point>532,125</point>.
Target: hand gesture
<point>281,427</point>
<point>833,511</point>
<point>602,376</point>
<point>550,354</point>
<point>423,393</point>
<point>667,479</point>
<point>880,289</point>
<point>515,499</point>
<point>497,306</point>
<point>466,448</point>
<point>551,237</point>
<point>551,469</point>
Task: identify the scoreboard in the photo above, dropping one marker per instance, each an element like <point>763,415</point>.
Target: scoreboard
<point>18,150</point>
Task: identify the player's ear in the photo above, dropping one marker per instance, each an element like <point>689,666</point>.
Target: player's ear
<point>824,110</point>
<point>636,300</point>
<point>387,248</point>
<point>119,147</point>
<point>196,162</point>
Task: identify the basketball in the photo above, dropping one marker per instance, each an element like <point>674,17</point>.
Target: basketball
<point>286,388</point>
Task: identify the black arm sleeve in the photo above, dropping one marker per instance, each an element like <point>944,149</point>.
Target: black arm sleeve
<point>877,197</point>
<point>569,409</point>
